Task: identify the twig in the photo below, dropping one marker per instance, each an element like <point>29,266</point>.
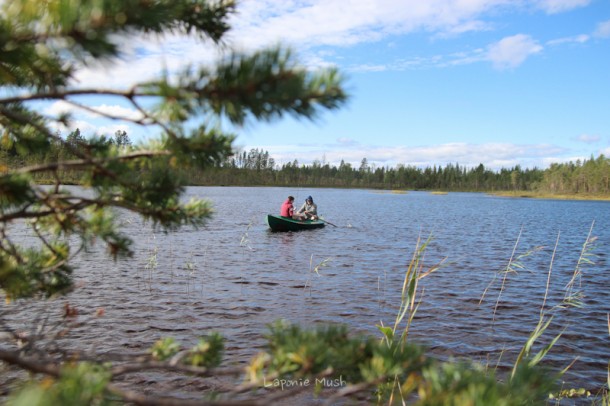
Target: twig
<point>11,357</point>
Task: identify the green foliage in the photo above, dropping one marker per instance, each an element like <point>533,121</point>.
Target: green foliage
<point>409,300</point>
<point>467,384</point>
<point>207,352</point>
<point>295,352</point>
<point>78,384</point>
<point>42,46</point>
<point>273,80</point>
<point>591,176</point>
<point>573,393</point>
<point>15,191</point>
<point>29,272</point>
<point>165,349</point>
<point>257,167</point>
<point>328,351</point>
<point>525,353</point>
<point>202,149</point>
<point>451,177</point>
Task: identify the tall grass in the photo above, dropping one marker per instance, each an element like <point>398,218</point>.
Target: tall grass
<point>573,291</point>
<point>152,262</point>
<point>314,269</point>
<point>531,354</point>
<point>410,297</point>
<point>573,297</point>
<point>190,268</point>
<point>512,267</point>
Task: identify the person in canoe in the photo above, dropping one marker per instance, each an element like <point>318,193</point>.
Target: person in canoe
<point>309,210</point>
<point>287,209</point>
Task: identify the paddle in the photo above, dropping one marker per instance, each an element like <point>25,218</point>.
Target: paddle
<point>328,222</point>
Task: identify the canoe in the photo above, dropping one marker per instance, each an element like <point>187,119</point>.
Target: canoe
<point>279,223</point>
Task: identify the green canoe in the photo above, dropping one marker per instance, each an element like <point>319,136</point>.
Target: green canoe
<point>279,223</point>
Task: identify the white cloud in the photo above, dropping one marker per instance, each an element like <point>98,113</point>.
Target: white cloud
<point>90,124</point>
<point>146,58</point>
<point>307,24</point>
<point>588,138</point>
<point>371,68</point>
<point>603,30</point>
<point>85,127</point>
<point>508,53</point>
<point>579,39</point>
<point>59,107</point>
<point>110,130</point>
<point>346,141</point>
<point>468,26</point>
<point>332,22</point>
<point>62,107</point>
<point>119,111</point>
<point>313,23</point>
<point>511,52</point>
<point>559,6</point>
<point>89,129</point>
<point>435,61</point>
<point>492,155</point>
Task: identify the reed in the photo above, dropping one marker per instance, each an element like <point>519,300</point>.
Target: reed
<point>152,261</point>
<point>410,297</point>
<point>314,269</point>
<point>190,268</point>
<point>512,267</point>
<point>531,353</point>
<point>544,321</point>
<point>573,297</point>
<point>245,239</point>
<point>244,243</point>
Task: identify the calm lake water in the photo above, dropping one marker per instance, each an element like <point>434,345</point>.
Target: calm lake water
<point>235,276</point>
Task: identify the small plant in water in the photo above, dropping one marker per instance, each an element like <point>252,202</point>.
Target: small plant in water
<point>572,298</point>
<point>191,268</point>
<point>409,301</point>
<point>245,239</point>
<point>152,263</point>
<point>574,294</point>
<point>314,269</point>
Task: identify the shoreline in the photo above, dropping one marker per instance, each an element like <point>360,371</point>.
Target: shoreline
<point>510,194</point>
<point>551,196</point>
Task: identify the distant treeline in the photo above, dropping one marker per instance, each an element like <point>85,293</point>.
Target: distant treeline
<point>257,168</point>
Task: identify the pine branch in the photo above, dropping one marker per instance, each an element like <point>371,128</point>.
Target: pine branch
<point>36,364</point>
<point>87,163</point>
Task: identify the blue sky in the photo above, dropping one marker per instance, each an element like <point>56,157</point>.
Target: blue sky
<point>432,82</point>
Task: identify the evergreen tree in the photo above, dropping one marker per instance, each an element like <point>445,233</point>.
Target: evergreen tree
<point>121,139</point>
<point>42,47</point>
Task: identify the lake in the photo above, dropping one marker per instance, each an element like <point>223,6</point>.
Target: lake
<point>235,276</point>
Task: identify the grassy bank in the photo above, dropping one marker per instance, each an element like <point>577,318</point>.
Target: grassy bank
<point>557,196</point>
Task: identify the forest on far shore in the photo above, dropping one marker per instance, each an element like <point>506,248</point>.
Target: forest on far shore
<point>257,168</point>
